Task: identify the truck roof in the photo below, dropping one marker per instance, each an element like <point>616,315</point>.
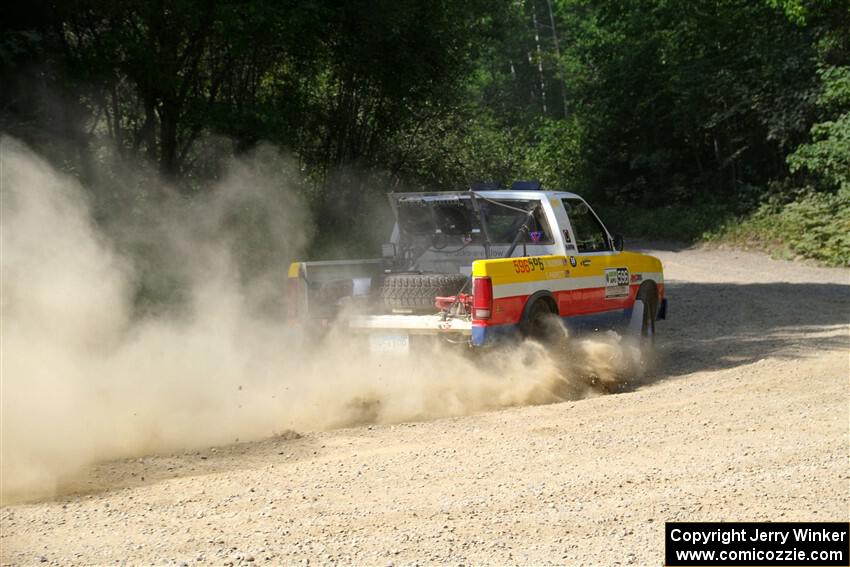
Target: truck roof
<point>499,194</point>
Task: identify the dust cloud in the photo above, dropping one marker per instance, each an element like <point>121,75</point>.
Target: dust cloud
<point>88,373</point>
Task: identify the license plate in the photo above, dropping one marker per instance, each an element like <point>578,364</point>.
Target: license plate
<point>389,344</point>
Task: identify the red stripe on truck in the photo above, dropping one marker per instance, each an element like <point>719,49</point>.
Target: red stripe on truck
<point>508,310</point>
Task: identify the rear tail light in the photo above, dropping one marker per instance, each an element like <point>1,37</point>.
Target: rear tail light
<point>482,298</point>
<point>292,289</point>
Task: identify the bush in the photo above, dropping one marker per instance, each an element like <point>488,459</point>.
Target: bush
<point>816,225</point>
<point>674,222</point>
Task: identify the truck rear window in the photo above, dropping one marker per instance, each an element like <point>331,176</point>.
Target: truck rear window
<point>503,222</point>
<point>457,217</point>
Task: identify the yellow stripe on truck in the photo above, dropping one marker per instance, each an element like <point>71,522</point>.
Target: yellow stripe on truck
<point>518,270</point>
<point>528,269</point>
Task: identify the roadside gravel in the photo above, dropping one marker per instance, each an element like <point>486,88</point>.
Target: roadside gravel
<point>745,418</point>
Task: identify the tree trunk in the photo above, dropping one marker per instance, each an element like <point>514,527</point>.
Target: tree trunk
<point>539,56</point>
<point>558,54</point>
<point>168,162</point>
<point>148,132</point>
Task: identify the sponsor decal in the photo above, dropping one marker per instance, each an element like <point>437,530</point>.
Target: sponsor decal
<point>617,283</point>
<point>573,261</point>
<point>636,278</point>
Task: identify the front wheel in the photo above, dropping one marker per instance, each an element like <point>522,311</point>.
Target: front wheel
<point>649,298</point>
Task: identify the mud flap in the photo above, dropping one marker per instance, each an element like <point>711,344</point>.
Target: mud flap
<point>636,322</point>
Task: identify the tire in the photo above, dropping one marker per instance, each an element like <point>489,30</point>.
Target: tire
<point>646,341</point>
<point>540,324</point>
<point>649,296</point>
<point>416,292</point>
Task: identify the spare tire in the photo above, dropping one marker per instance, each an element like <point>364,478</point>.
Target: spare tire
<point>414,292</point>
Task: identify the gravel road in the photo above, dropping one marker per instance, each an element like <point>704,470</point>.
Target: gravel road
<point>745,418</point>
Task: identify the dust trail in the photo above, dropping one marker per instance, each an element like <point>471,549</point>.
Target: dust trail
<point>88,374</point>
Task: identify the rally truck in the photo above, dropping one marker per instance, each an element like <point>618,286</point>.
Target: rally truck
<point>480,266</point>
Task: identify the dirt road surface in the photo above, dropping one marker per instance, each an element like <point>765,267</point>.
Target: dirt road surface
<point>746,418</point>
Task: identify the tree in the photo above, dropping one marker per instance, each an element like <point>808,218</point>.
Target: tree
<point>168,70</point>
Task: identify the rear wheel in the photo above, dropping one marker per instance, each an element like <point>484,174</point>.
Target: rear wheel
<point>542,322</point>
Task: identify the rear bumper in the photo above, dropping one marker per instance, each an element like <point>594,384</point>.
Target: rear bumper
<point>410,324</point>
<point>482,336</point>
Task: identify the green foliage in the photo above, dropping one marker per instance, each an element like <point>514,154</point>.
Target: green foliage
<point>817,226</point>
<point>670,222</point>
<point>795,10</point>
<point>460,148</point>
<point>682,103</point>
<point>827,156</point>
<point>836,87</point>
<point>554,154</point>
<point>671,116</point>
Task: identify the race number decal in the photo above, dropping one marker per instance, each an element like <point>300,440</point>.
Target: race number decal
<point>528,265</point>
<point>616,283</point>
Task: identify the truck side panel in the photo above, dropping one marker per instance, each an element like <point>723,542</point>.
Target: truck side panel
<point>599,294</point>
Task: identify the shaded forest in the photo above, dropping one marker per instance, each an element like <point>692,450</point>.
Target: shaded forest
<point>676,118</point>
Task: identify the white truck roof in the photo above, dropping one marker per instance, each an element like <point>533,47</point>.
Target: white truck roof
<point>500,194</point>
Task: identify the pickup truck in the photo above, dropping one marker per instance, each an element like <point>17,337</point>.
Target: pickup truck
<point>477,267</point>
